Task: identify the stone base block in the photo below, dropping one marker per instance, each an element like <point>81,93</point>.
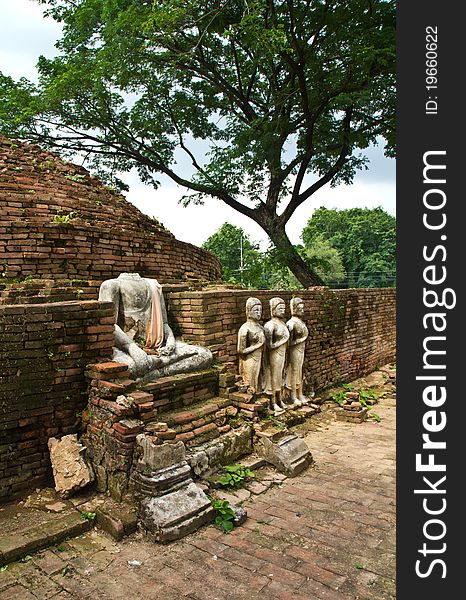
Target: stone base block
<point>225,450</point>
<point>174,515</point>
<point>117,520</point>
<point>289,455</point>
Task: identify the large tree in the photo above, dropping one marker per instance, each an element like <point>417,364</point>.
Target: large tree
<point>319,255</point>
<point>243,262</point>
<point>270,100</point>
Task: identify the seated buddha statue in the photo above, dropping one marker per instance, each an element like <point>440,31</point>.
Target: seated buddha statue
<point>143,338</point>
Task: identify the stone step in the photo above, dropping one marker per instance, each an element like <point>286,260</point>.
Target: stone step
<point>200,423</point>
<point>20,543</point>
<point>184,390</point>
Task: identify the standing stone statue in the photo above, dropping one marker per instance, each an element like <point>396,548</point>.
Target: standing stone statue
<point>141,320</point>
<point>251,341</point>
<point>276,335</point>
<point>298,336</point>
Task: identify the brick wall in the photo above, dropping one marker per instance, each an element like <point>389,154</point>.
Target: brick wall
<point>43,353</point>
<point>105,236</point>
<point>40,291</point>
<point>44,349</point>
<point>351,332</point>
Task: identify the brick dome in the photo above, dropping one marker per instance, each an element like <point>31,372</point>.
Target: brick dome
<point>59,222</point>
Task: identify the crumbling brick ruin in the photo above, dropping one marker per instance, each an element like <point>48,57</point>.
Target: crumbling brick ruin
<point>44,349</point>
<point>57,222</point>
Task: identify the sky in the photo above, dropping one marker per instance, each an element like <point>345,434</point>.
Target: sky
<point>25,34</point>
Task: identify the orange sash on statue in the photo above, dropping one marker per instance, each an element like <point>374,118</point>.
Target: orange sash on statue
<point>154,334</point>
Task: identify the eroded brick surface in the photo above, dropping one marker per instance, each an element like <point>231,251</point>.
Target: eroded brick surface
<point>44,350</point>
<point>351,332</point>
<point>59,222</point>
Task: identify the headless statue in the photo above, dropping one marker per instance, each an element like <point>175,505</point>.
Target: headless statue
<point>297,343</point>
<point>251,341</point>
<point>276,335</point>
<point>141,320</point>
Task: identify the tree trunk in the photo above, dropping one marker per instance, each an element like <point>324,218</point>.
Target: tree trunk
<point>291,258</point>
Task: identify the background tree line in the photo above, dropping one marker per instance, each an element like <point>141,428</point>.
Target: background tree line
<point>347,248</point>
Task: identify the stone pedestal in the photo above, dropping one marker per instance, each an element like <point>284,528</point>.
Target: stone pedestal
<point>170,503</point>
<point>289,454</point>
<point>176,513</point>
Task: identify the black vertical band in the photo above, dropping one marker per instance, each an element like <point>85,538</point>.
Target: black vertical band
<point>430,387</point>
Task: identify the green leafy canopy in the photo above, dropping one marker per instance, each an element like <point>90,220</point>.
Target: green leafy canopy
<point>347,248</point>
<point>241,259</point>
<point>364,238</point>
<point>267,100</point>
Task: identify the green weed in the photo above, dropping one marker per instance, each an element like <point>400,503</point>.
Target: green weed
<point>235,476</point>
<point>225,514</point>
<point>87,516</point>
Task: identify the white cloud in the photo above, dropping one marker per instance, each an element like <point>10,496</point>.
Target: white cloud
<point>24,35</point>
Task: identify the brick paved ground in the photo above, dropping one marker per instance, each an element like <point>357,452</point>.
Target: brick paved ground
<point>328,534</point>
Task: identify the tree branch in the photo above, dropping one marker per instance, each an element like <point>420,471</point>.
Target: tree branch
<point>125,149</point>
<point>298,198</point>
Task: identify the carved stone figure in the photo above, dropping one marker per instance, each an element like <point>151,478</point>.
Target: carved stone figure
<point>251,341</point>
<point>141,319</point>
<point>276,335</point>
<point>298,336</point>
